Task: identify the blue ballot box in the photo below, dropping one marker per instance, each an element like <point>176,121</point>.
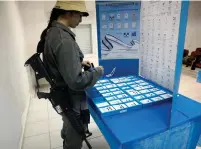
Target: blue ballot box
<point>136,104</point>
<point>149,127</point>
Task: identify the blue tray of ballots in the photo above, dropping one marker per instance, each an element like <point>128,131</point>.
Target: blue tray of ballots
<point>118,95</point>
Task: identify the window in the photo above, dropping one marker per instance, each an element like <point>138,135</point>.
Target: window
<point>83,38</point>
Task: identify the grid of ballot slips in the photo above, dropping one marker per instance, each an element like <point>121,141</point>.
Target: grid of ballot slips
<point>159,33</point>
<point>118,95</point>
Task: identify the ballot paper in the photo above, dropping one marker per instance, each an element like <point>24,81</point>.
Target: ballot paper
<point>153,89</point>
<point>130,83</point>
<point>125,88</point>
<point>107,109</point>
<point>111,98</point>
<point>143,84</point>
<point>159,92</point>
<point>135,85</point>
<point>107,94</point>
<point>104,81</point>
<point>101,88</point>
<point>117,92</point>
<point>156,98</point>
<point>122,96</point>
<point>165,96</point>
<point>114,102</point>
<point>130,77</point>
<point>132,92</point>
<point>132,104</point>
<point>102,104</point>
<point>145,101</point>
<point>139,97</point>
<point>111,86</point>
<point>108,83</point>
<point>98,84</point>
<point>104,91</point>
<point>137,88</point>
<point>115,89</point>
<point>121,84</point>
<point>127,100</point>
<point>115,80</point>
<point>144,91</point>
<point>146,87</point>
<point>139,81</point>
<point>120,106</point>
<point>150,95</point>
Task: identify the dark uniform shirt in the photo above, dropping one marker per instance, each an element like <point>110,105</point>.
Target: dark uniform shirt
<point>63,58</point>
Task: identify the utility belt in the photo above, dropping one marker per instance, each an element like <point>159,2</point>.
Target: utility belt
<point>61,102</point>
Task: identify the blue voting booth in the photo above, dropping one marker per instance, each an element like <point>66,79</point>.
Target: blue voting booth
<point>136,103</point>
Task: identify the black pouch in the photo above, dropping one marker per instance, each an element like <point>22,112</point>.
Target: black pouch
<point>60,97</point>
<point>85,116</point>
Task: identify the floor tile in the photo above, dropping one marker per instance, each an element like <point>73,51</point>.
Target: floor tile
<point>55,139</point>
<point>37,116</point>
<point>52,113</point>
<point>59,148</point>
<point>91,119</point>
<point>55,124</point>
<point>38,105</point>
<point>37,142</point>
<point>95,131</point>
<point>36,128</point>
<point>97,143</point>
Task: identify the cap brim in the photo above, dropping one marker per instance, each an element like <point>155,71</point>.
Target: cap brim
<point>85,14</point>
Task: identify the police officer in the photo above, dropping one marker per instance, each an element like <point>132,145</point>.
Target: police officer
<point>64,61</point>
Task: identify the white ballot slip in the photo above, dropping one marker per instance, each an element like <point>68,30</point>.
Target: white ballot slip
<point>102,104</point>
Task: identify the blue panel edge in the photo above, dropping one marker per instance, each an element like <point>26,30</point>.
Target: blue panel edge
<point>98,31</point>
<point>181,42</point>
<point>180,50</point>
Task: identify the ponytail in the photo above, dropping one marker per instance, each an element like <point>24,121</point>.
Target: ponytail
<point>53,17</point>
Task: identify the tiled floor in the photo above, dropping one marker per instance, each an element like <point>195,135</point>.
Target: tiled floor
<point>188,84</point>
<point>43,128</point>
<point>44,124</point>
